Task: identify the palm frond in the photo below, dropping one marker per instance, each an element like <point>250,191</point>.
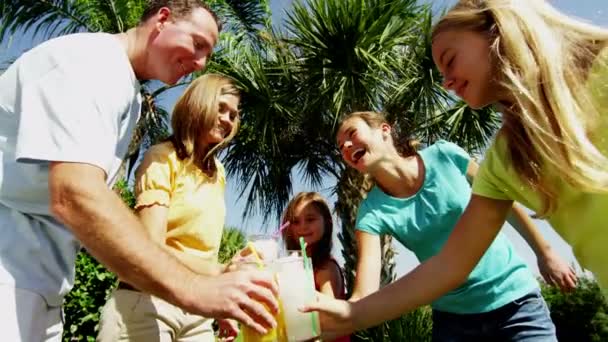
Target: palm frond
<point>347,49</point>
<point>245,18</point>
<point>469,128</point>
<point>46,17</point>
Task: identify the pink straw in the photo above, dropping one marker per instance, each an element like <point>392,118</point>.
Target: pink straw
<point>280,230</point>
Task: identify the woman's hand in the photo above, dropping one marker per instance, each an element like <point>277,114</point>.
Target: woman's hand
<point>556,271</point>
<point>336,316</point>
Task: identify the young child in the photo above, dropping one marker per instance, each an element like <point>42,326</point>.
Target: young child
<point>309,217</point>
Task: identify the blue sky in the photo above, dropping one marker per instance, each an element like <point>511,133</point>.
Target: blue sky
<point>595,11</point>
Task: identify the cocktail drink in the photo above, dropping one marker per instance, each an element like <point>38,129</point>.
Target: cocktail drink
<point>268,247</point>
<point>266,253</point>
<point>273,335</point>
<point>297,288</point>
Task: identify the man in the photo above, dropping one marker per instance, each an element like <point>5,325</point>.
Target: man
<point>67,112</point>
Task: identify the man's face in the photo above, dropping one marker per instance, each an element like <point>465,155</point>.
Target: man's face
<point>180,46</point>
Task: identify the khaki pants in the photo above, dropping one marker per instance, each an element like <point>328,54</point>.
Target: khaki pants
<point>26,317</point>
<point>136,316</point>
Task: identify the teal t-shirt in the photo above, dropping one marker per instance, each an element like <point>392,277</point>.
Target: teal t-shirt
<point>424,221</point>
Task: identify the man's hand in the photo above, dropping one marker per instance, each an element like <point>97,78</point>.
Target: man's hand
<point>242,295</point>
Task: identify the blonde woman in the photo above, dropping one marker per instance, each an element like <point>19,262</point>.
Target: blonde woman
<point>548,74</point>
<point>180,200</point>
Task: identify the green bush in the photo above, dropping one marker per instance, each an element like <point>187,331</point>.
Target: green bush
<point>92,287</point>
<point>417,326</point>
<point>82,306</point>
<point>581,315</point>
<point>232,241</point>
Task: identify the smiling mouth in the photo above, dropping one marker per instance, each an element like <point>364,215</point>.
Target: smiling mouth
<point>357,155</point>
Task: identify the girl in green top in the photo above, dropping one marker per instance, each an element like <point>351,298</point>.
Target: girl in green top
<point>547,74</point>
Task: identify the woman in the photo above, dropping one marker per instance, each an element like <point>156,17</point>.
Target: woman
<point>418,197</point>
<point>180,200</point>
<point>548,74</point>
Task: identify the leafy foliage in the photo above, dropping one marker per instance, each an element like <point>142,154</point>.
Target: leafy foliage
<point>93,285</point>
<point>82,306</point>
<point>581,315</point>
<point>415,326</point>
<point>233,240</point>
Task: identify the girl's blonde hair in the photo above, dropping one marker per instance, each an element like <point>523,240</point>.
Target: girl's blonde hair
<point>543,59</point>
<point>195,114</point>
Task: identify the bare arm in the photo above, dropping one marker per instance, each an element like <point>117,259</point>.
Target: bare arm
<point>81,200</point>
<point>110,232</point>
<point>369,265</point>
<point>330,280</point>
<point>427,282</point>
<point>154,218</point>
<point>552,267</point>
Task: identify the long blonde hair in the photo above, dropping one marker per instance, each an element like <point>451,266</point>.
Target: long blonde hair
<point>543,58</point>
<point>195,114</point>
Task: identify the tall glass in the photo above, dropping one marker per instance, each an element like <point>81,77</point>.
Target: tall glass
<point>267,249</point>
<point>297,288</point>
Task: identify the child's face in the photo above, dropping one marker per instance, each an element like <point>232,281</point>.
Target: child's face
<point>307,223</point>
<point>463,58</point>
<point>362,146</point>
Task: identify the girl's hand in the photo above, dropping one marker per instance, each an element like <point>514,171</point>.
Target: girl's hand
<point>557,272</point>
<point>228,330</point>
<point>337,316</point>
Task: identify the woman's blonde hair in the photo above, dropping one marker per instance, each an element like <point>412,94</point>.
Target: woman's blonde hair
<point>195,114</point>
<point>543,58</point>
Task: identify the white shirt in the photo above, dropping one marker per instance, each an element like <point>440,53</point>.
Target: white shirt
<point>71,99</point>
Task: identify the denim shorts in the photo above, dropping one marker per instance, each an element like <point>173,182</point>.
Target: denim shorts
<point>526,319</point>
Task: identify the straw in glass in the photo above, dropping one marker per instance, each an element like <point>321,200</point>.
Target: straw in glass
<point>309,272</point>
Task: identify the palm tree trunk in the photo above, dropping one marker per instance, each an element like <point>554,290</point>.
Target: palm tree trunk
<point>351,189</point>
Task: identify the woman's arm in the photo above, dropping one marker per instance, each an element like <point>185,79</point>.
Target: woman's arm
<point>369,265</point>
<point>154,218</point>
<point>427,282</point>
<point>552,267</point>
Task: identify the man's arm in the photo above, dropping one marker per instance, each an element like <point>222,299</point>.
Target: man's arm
<point>154,218</point>
<point>81,200</point>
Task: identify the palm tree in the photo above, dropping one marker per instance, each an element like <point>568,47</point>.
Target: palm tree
<point>338,56</point>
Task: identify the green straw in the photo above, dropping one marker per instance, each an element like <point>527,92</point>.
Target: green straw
<point>309,272</point>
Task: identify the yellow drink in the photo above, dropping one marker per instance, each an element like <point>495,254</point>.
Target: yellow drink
<point>277,334</point>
